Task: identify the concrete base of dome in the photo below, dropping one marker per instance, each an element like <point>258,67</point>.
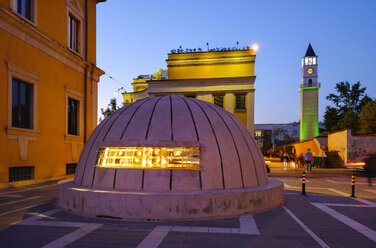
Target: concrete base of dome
<point>181,205</point>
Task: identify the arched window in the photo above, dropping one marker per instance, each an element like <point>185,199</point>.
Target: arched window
<point>309,82</point>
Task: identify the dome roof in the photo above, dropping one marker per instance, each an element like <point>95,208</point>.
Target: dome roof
<point>228,155</point>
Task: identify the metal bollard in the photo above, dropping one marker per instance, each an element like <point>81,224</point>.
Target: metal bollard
<point>303,183</point>
<point>353,185</point>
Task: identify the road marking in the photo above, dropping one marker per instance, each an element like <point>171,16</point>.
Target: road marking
<point>357,182</point>
<point>291,187</point>
<point>331,181</point>
<point>313,235</point>
<point>371,190</point>
<point>28,189</point>
<point>320,188</point>
<point>218,230</point>
<point>337,191</point>
<point>13,202</point>
<point>248,225</point>
<point>365,201</point>
<point>16,210</point>
<point>53,223</point>
<point>349,205</point>
<point>13,196</point>
<point>291,193</point>
<point>369,233</point>
<point>246,222</point>
<point>9,212</point>
<point>39,216</point>
<point>73,236</point>
<point>155,237</point>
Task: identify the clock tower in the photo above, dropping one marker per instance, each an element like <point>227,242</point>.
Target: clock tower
<point>309,96</point>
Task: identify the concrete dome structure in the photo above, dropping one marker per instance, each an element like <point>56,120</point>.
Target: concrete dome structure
<point>170,157</point>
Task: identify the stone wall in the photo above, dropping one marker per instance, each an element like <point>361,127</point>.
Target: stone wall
<point>360,145</point>
<point>339,142</point>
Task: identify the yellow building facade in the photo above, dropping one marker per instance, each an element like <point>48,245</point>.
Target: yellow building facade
<point>48,87</point>
<point>224,77</point>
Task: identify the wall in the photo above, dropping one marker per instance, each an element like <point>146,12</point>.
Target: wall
<point>361,145</point>
<point>211,64</point>
<point>339,141</point>
<point>301,147</point>
<point>40,49</point>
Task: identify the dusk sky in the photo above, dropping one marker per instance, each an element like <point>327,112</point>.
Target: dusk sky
<point>134,37</point>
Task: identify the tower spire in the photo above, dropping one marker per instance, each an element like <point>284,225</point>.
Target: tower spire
<point>310,52</point>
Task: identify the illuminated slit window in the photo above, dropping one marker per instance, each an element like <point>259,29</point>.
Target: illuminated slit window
<point>187,158</point>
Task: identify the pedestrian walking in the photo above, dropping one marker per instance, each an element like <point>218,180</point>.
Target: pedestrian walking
<point>301,160</point>
<point>308,158</point>
<point>285,160</point>
<point>292,159</point>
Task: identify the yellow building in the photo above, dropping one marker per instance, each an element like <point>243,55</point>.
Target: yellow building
<point>48,87</point>
<point>224,77</point>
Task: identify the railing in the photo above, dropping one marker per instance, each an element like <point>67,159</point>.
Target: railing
<point>310,85</point>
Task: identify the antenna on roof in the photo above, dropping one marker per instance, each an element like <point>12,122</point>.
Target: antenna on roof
<point>237,44</point>
<point>207,45</point>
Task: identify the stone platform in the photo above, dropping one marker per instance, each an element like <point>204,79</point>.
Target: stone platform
<point>169,205</point>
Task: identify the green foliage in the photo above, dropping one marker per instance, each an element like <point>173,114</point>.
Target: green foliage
<point>349,97</point>
<point>348,104</point>
<point>349,121</point>
<point>331,118</point>
<point>368,118</point>
<point>111,107</point>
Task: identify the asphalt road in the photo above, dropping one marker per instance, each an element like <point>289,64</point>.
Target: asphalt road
<point>325,217</point>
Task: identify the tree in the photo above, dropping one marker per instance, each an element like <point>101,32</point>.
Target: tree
<point>348,104</point>
<point>111,107</point>
<point>349,121</point>
<point>349,97</point>
<point>368,118</point>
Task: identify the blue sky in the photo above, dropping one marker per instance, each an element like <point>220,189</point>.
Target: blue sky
<point>134,37</point>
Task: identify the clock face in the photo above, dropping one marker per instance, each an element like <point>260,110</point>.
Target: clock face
<point>309,70</point>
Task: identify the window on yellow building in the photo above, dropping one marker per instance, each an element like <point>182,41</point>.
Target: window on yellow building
<point>22,104</point>
<point>240,101</point>
<point>73,106</point>
<point>218,100</point>
<point>25,8</point>
<point>74,26</point>
<point>21,173</point>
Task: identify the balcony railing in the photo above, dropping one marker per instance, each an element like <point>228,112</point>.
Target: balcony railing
<point>310,85</point>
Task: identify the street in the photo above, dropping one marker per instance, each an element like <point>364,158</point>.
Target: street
<point>325,217</point>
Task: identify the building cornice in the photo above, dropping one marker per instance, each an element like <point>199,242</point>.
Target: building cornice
<point>211,61</point>
<point>30,34</point>
<point>227,80</point>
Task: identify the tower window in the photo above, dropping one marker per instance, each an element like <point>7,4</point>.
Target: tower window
<point>309,82</point>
